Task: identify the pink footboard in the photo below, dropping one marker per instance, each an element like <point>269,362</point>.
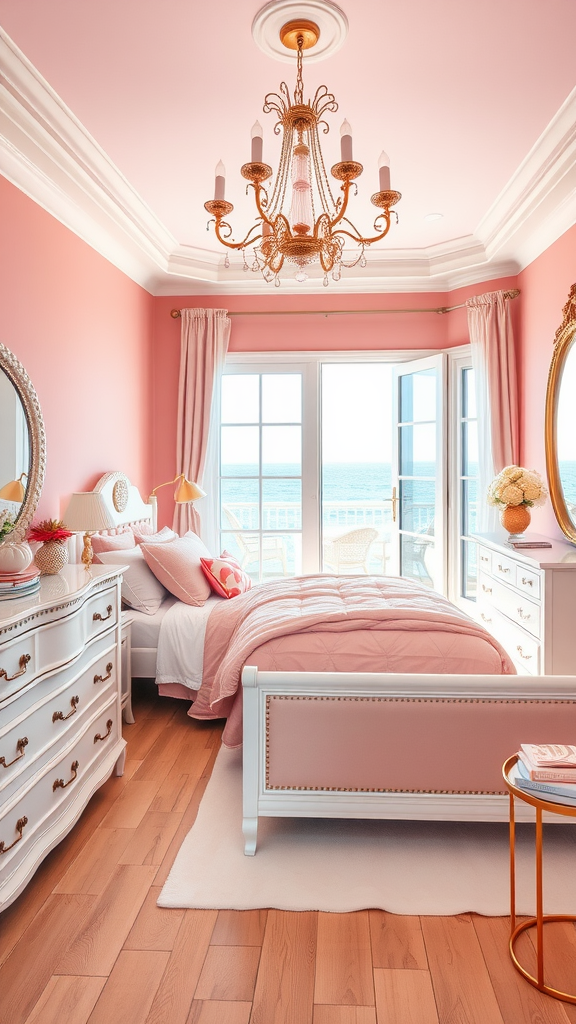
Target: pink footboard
<point>392,746</point>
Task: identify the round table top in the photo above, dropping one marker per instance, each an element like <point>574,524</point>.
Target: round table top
<point>531,798</point>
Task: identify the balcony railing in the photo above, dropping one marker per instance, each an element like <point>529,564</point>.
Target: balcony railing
<point>337,516</point>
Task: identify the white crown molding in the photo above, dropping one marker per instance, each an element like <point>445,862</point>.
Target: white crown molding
<point>48,154</point>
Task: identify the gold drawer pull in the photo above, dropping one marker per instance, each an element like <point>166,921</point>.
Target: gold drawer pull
<point>522,655</point>
<point>97,737</point>
<point>502,568</point>
<point>20,748</point>
<point>24,659</point>
<point>59,716</point>
<point>484,558</point>
<point>522,615</point>
<point>60,784</point>
<point>102,679</point>
<point>98,617</point>
<point>487,590</point>
<point>20,824</point>
<point>485,617</point>
<point>527,583</point>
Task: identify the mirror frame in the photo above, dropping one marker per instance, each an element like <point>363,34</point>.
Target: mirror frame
<point>565,337</point>
<point>16,373</point>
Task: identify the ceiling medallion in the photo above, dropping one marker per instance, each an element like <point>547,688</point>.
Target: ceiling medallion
<point>297,217</point>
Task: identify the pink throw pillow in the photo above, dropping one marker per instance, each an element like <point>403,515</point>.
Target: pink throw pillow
<point>177,566</point>
<point>225,575</point>
<point>141,530</point>
<point>112,541</point>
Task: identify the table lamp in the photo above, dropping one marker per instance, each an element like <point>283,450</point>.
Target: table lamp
<point>88,513</point>
<point>14,490</point>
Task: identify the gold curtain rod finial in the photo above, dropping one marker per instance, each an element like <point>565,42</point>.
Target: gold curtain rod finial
<point>175,314</point>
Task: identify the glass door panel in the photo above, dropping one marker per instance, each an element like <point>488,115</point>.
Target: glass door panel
<point>417,549</point>
<point>356,451</point>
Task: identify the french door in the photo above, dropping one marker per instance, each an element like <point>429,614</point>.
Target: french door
<point>419,448</point>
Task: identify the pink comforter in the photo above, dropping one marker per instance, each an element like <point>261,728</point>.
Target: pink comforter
<point>321,605</point>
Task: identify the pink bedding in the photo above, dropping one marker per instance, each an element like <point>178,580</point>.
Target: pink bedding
<point>340,623</point>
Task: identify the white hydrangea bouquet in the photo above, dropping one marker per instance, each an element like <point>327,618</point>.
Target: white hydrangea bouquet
<point>517,486</point>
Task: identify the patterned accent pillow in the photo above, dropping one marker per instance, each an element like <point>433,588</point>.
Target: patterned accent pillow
<point>225,575</point>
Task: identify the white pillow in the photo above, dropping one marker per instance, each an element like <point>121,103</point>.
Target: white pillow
<point>140,588</point>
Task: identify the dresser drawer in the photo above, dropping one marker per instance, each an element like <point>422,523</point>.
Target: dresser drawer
<point>101,612</point>
<point>523,649</point>
<point>504,568</point>
<point>41,804</point>
<point>528,582</point>
<point>28,740</point>
<point>518,607</point>
<point>485,559</point>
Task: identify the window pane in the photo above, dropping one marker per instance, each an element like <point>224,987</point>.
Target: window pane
<point>239,503</point>
<point>418,450</point>
<point>417,505</point>
<point>469,506</point>
<point>469,569</point>
<point>282,504</point>
<point>417,559</point>
<point>239,451</point>
<point>470,448</point>
<point>281,451</point>
<point>281,555</point>
<point>246,548</point>
<point>240,398</point>
<point>418,396</point>
<point>281,397</point>
<point>468,394</point>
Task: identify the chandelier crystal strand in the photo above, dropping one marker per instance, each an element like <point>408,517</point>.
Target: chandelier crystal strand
<point>286,226</point>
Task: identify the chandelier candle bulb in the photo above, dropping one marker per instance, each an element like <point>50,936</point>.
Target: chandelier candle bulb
<point>220,183</point>
<point>384,171</point>
<point>346,141</point>
<point>257,143</point>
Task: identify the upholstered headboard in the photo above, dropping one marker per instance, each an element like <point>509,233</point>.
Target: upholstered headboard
<point>124,501</point>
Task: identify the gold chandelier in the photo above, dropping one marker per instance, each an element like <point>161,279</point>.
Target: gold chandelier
<point>302,223</point>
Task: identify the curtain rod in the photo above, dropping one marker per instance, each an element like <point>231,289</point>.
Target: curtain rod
<point>511,294</point>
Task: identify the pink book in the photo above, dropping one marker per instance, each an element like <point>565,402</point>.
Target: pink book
<point>549,762</point>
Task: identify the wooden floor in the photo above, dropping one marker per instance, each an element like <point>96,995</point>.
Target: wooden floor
<point>86,942</point>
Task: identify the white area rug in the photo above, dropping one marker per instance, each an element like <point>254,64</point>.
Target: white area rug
<point>405,867</point>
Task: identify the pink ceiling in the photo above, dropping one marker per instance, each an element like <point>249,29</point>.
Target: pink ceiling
<point>456,91</point>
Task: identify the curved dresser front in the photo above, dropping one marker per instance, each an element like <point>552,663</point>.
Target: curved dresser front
<point>60,712</point>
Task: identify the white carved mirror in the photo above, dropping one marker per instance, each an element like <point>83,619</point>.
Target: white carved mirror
<point>22,455</point>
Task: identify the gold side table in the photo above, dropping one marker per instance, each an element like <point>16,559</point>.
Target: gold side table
<point>541,918</point>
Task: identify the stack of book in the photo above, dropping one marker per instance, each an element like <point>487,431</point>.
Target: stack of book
<point>19,584</point>
<point>548,771</point>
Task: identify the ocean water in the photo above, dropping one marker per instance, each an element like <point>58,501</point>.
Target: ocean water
<point>568,477</point>
<point>341,481</point>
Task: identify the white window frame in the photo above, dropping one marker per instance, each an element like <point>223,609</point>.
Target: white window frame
<point>459,359</point>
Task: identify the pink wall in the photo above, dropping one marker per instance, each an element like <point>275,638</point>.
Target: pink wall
<point>82,330</point>
<point>544,286</point>
<point>362,332</point>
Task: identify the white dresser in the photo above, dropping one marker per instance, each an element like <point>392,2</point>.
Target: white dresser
<point>527,600</point>
<point>60,712</point>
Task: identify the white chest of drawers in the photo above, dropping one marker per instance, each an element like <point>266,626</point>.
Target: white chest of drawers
<point>60,712</point>
<point>527,600</point>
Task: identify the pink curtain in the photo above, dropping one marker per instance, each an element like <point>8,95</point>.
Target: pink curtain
<point>204,343</point>
<point>494,356</point>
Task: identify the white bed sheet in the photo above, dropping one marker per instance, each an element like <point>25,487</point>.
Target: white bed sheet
<point>146,628</point>
<point>180,657</point>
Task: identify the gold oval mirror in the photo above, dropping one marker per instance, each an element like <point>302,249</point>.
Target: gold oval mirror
<point>23,438</point>
<point>560,419</point>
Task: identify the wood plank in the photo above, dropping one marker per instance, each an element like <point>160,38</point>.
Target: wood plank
<point>155,927</point>
<point>405,997</point>
<point>151,839</point>
<point>559,960</point>
<point>53,930</point>
<point>459,975</point>
<point>131,806</point>
<point>175,993</point>
<point>517,999</point>
<point>92,869</point>
<point>104,931</point>
<point>229,972</point>
<point>285,983</point>
<point>142,740</point>
<point>344,960</point>
<point>219,1013</point>
<point>239,928</point>
<point>345,1015</point>
<point>67,999</point>
<point>130,989</point>
<point>397,941</point>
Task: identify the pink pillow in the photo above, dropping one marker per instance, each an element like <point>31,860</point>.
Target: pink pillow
<point>162,537</point>
<point>225,575</point>
<point>141,530</point>
<point>177,566</point>
<point>112,541</point>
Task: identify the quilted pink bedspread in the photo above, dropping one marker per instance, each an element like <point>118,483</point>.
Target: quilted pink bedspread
<point>347,623</point>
